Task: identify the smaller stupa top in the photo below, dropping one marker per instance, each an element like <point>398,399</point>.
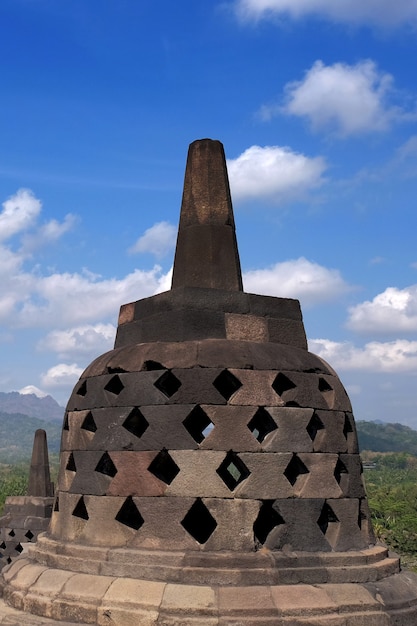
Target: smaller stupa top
<point>39,477</point>
<point>206,255</point>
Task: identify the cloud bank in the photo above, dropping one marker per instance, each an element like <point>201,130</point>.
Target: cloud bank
<point>275,174</point>
<point>385,13</point>
<point>393,357</point>
<point>309,282</point>
<point>343,99</point>
<point>392,311</point>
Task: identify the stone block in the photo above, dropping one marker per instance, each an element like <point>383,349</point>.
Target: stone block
<point>132,476</point>
<point>189,600</point>
<point>270,306</point>
<point>132,389</point>
<point>304,392</point>
<point>102,527</point>
<point>198,476</point>
<point>351,482</point>
<point>287,331</point>
<point>351,434</point>
<point>162,529</point>
<point>302,600</point>
<point>246,327</point>
<point>266,480</point>
<point>234,530</point>
<point>291,435</point>
<point>197,386</point>
<point>230,429</point>
<point>126,313</point>
<point>158,436</point>
<point>346,535</point>
<point>300,530</point>
<point>320,482</point>
<point>25,575</point>
<point>77,438</point>
<point>331,437</point>
<point>86,480</point>
<point>256,389</point>
<point>256,601</point>
<point>129,334</point>
<point>352,597</point>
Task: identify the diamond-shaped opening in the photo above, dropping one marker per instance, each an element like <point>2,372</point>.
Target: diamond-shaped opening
<point>106,466</point>
<point>324,385</point>
<point>227,384</point>
<point>268,518</point>
<point>198,424</point>
<point>199,522</point>
<point>2,546</point>
<point>168,383</point>
<point>71,463</point>
<point>80,509</point>
<point>294,469</point>
<point>136,423</point>
<point>150,366</point>
<point>164,467</point>
<point>129,514</point>
<point>115,370</point>
<point>261,424</point>
<point>282,384</point>
<point>12,533</point>
<point>19,548</point>
<point>66,423</point>
<point>8,560</point>
<point>89,423</point>
<point>347,428</point>
<point>232,470</point>
<point>82,389</point>
<point>115,385</point>
<point>339,470</point>
<point>29,535</point>
<point>327,516</point>
<point>314,425</point>
<point>362,517</point>
<point>56,504</point>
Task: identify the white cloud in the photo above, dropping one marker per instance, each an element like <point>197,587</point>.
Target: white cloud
<point>49,232</point>
<point>390,357</point>
<point>374,12</point>
<point>61,376</point>
<point>346,99</point>
<point>86,341</point>
<point>274,173</point>
<point>392,311</point>
<point>19,213</point>
<point>300,278</point>
<point>158,240</point>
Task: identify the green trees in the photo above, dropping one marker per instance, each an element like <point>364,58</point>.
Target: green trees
<point>392,495</point>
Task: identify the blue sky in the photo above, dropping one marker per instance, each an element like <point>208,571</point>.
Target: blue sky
<point>315,102</point>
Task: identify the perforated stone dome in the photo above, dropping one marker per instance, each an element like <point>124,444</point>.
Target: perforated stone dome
<point>209,469</point>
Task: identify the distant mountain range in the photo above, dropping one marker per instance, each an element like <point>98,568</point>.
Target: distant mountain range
<point>45,408</point>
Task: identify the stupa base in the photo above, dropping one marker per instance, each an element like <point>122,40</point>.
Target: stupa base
<point>49,590</point>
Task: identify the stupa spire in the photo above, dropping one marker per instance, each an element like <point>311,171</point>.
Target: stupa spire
<point>206,232</point>
<point>39,477</point>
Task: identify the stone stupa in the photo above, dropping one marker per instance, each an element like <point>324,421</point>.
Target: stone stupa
<point>209,471</point>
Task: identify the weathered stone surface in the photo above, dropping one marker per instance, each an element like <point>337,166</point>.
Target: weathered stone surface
<point>291,434</point>
<point>230,429</point>
<point>206,230</point>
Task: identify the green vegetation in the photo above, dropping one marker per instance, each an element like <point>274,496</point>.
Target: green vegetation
<point>16,436</point>
<point>386,437</point>
<point>392,496</point>
<point>13,481</point>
